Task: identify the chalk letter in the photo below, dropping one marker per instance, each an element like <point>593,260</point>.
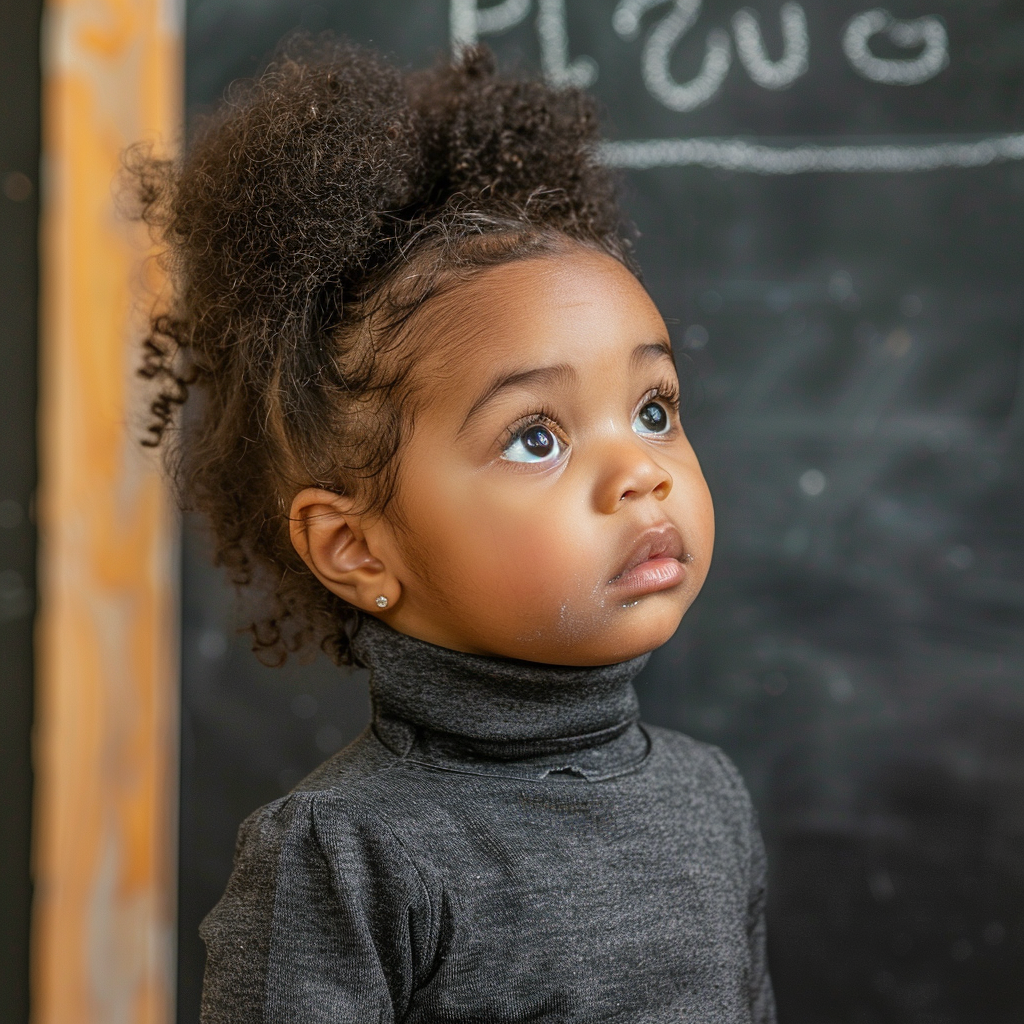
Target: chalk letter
<point>554,48</point>
<point>467,22</point>
<point>927,32</point>
<point>660,46</point>
<point>769,74</point>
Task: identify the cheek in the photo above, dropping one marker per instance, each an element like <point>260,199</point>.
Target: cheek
<point>500,546</point>
<point>696,517</point>
<point>531,550</point>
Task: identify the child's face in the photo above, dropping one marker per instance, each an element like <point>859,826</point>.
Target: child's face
<point>551,507</point>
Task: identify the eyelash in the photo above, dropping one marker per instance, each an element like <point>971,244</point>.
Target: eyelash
<point>543,416</point>
<point>667,391</point>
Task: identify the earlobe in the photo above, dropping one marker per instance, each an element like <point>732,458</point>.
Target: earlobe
<point>331,539</point>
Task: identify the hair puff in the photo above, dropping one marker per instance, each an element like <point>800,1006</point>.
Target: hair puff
<point>288,225</point>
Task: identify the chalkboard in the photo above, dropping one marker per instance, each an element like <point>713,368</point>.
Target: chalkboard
<point>831,206</point>
<point>19,354</point>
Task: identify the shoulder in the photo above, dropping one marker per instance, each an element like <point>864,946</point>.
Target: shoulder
<point>336,817</point>
<point>706,787</point>
<point>304,851</point>
<point>696,755</point>
<point>360,766</point>
<point>703,768</point>
<point>320,907</point>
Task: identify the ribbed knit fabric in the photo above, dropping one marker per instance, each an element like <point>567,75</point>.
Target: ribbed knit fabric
<point>505,843</point>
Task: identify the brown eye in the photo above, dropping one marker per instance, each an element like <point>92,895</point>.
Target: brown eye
<point>534,444</point>
<point>539,442</point>
<point>652,419</point>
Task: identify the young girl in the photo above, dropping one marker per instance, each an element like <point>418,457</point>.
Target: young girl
<point>437,430</point>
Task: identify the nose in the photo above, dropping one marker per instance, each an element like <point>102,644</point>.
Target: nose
<point>628,472</point>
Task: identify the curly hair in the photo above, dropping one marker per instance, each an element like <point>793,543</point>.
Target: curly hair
<point>310,216</point>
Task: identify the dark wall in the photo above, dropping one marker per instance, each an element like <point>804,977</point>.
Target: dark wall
<point>19,165</point>
<point>855,340</point>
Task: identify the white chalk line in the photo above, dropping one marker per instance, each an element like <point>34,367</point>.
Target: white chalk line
<point>756,157</point>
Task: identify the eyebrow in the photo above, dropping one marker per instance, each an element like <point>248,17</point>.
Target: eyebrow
<point>651,352</point>
<point>561,373</point>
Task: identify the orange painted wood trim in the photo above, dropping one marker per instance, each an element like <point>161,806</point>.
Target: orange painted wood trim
<point>106,734</point>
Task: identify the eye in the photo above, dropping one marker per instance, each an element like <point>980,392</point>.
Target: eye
<point>653,418</point>
<point>535,443</point>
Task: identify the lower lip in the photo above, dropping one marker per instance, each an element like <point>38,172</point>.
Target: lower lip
<point>650,577</point>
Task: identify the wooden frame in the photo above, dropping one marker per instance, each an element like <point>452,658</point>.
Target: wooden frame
<point>106,726</point>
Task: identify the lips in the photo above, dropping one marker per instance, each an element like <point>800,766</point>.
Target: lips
<point>654,563</point>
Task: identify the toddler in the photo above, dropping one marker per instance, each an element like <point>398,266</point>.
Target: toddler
<point>436,433</point>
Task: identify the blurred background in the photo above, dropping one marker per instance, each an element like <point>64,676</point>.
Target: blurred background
<point>831,206</point>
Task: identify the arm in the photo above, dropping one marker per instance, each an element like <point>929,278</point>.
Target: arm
<point>762,999</point>
<point>316,923</point>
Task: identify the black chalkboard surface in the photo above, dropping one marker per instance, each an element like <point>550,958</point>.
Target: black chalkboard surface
<point>831,202</point>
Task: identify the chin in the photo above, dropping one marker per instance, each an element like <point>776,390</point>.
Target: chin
<point>651,627</point>
<point>628,637</point>
<point>631,647</point>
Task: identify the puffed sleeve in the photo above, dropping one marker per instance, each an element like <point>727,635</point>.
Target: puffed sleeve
<point>324,919</point>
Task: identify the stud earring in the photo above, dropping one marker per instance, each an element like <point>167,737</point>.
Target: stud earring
<point>382,601</point>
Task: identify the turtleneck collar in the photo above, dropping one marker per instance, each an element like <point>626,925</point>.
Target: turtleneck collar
<point>495,708</point>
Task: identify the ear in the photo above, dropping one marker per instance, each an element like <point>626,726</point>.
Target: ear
<point>332,540</point>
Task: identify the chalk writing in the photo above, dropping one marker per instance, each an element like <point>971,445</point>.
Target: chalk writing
<point>769,74</point>
<point>926,32</point>
<point>925,38</point>
<point>554,49</point>
<point>739,155</point>
<point>467,21</point>
<point>662,43</point>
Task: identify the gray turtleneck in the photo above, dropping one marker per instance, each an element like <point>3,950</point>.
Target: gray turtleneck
<point>505,843</point>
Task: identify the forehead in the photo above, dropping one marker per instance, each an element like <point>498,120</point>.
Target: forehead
<point>578,307</point>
